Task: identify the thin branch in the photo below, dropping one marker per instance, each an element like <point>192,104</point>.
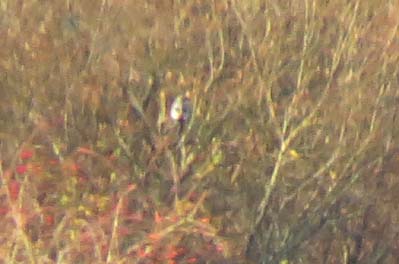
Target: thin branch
<point>113,243</point>
<point>292,135</point>
<point>210,59</point>
<point>138,108</point>
<point>259,71</point>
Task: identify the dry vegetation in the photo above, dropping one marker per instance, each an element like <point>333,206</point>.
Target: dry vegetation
<point>291,155</point>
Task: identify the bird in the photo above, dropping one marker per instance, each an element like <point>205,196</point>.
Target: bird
<point>181,110</point>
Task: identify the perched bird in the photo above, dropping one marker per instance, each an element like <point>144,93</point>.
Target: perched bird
<point>181,110</point>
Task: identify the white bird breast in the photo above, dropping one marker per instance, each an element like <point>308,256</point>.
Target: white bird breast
<point>181,109</point>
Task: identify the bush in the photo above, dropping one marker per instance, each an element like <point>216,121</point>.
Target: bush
<point>289,154</point>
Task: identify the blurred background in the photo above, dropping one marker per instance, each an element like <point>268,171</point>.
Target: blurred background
<point>290,154</point>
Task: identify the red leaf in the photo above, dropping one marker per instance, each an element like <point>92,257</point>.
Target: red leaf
<point>54,162</point>
<point>85,151</point>
<point>158,218</point>
<point>74,167</point>
<point>219,248</point>
<point>154,236</point>
<point>49,219</point>
<point>131,187</point>
<point>205,220</point>
<point>192,260</point>
<point>26,154</point>
<point>174,252</point>
<point>14,187</point>
<point>21,169</point>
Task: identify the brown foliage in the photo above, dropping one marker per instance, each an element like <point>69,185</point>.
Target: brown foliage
<point>290,154</point>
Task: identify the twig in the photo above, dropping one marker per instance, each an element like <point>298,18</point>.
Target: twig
<point>113,243</point>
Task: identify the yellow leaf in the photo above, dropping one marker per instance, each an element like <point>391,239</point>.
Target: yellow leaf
<point>72,235</point>
<point>333,175</point>
<point>183,207</point>
<point>64,199</point>
<point>102,202</point>
<point>113,176</point>
<point>294,154</point>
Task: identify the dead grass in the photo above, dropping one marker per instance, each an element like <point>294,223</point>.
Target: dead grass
<point>290,155</point>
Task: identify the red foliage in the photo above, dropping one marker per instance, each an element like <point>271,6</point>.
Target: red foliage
<point>158,218</point>
<point>26,154</point>
<point>74,167</point>
<point>4,210</point>
<point>192,260</point>
<point>49,219</point>
<point>14,188</point>
<point>21,169</point>
<point>205,220</point>
<point>154,236</point>
<point>83,150</point>
<point>219,248</point>
<point>175,252</point>
<point>70,166</point>
<point>54,162</point>
<point>144,252</point>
